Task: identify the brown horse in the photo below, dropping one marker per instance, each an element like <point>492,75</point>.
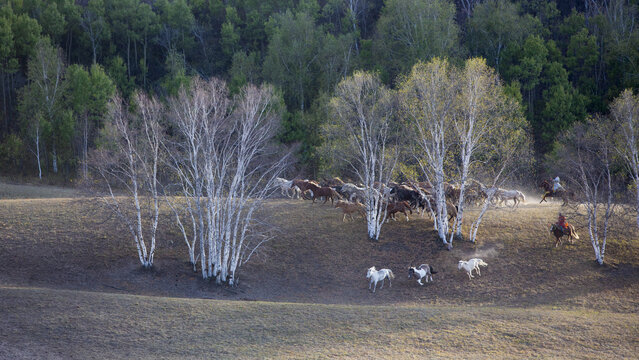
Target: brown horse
<point>349,208</point>
<point>323,191</point>
<point>399,206</point>
<point>559,232</point>
<point>548,192</point>
<point>304,185</point>
<point>332,182</point>
<point>451,209</point>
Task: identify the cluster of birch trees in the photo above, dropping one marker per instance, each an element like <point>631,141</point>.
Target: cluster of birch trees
<point>212,170</point>
<point>450,122</point>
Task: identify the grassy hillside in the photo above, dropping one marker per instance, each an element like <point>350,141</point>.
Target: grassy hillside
<point>71,287</point>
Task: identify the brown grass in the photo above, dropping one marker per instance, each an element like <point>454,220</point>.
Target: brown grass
<point>22,191</point>
<point>85,325</point>
<point>71,287</point>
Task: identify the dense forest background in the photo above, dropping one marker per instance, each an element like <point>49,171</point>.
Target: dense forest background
<point>62,60</point>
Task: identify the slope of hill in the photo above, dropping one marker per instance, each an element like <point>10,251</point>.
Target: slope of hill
<point>70,285</point>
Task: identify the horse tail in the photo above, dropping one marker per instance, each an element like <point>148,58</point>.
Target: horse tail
<point>432,271</point>
<point>574,233</point>
<point>390,274</point>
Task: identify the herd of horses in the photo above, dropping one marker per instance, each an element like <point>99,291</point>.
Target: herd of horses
<point>412,196</point>
<point>406,197</point>
<point>423,271</point>
<point>400,197</point>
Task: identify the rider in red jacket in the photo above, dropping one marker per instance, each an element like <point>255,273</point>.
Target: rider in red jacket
<point>561,222</point>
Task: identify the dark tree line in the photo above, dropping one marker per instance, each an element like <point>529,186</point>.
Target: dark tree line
<point>61,60</point>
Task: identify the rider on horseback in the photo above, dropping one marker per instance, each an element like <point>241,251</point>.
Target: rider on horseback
<point>556,186</point>
<point>562,223</point>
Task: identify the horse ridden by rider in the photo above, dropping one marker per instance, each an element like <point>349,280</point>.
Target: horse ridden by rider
<point>555,190</point>
<point>562,228</point>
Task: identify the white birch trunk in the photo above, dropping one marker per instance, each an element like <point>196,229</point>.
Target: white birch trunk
<point>637,202</point>
<point>190,243</point>
<point>37,143</point>
<point>625,112</point>
<point>475,225</point>
<point>85,149</point>
<point>55,159</point>
<point>442,211</point>
<point>364,108</point>
<point>224,141</point>
<point>135,166</point>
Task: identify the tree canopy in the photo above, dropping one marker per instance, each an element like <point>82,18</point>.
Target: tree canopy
<point>564,60</point>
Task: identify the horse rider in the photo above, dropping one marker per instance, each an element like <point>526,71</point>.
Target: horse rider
<point>556,186</point>
<point>562,223</point>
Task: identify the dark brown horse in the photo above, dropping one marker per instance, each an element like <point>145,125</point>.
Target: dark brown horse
<point>560,232</point>
<point>548,192</point>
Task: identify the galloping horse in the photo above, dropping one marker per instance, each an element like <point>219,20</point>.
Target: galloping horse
<point>548,192</point>
<point>379,275</point>
<point>558,232</point>
<point>502,196</point>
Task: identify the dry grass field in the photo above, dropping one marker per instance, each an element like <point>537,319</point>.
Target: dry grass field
<point>71,288</point>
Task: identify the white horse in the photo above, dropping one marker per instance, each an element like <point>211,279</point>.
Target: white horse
<point>420,272</point>
<point>285,186</point>
<point>470,265</point>
<point>377,275</point>
<point>357,193</point>
<point>502,196</point>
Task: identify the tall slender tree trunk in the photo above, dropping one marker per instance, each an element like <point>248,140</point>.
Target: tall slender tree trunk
<point>69,44</point>
<point>637,188</point>
<point>5,114</point>
<point>128,56</point>
<point>475,225</point>
<point>442,212</point>
<point>85,148</point>
<point>144,54</point>
<point>135,52</point>
<point>93,45</point>
<point>202,245</point>
<point>55,159</point>
<point>38,152</point>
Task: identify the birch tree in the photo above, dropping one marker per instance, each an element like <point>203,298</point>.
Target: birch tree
<point>427,99</point>
<point>94,25</point>
<point>586,157</point>
<point>227,166</point>
<point>245,168</point>
<point>195,112</point>
<point>506,152</point>
<point>129,161</point>
<point>363,109</point>
<point>46,72</point>
<point>41,99</point>
<point>480,111</point>
<point>625,113</point>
